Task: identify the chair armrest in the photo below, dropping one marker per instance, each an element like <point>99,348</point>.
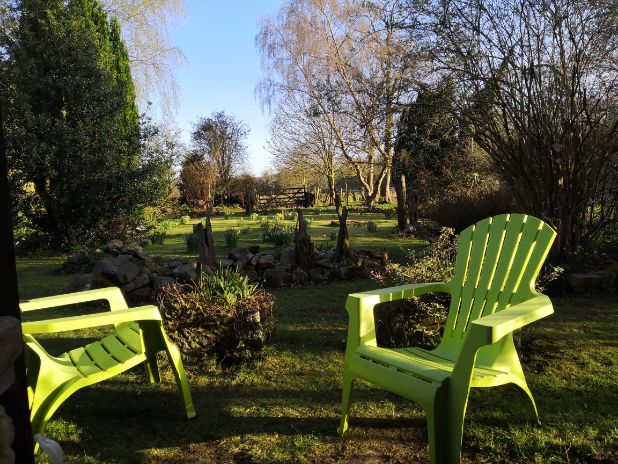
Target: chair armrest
<point>361,329</point>
<point>491,328</point>
<point>113,295</point>
<point>62,324</point>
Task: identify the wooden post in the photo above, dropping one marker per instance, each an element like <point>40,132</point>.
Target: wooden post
<point>15,399</point>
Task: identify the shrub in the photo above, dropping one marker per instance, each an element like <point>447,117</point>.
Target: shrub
<point>372,226</point>
<point>324,246</point>
<point>227,287</point>
<point>332,236</point>
<point>389,213</point>
<point>166,224</point>
<point>184,220</point>
<point>151,215</point>
<point>158,237</point>
<point>458,212</point>
<point>223,315</point>
<point>254,217</point>
<point>290,215</point>
<point>192,244</point>
<point>231,237</point>
<point>417,321</point>
<point>277,234</point>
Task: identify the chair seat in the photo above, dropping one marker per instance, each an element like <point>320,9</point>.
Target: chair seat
<point>425,365</point>
<point>113,354</point>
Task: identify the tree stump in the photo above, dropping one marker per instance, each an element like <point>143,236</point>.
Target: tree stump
<point>205,242</point>
<point>303,248</point>
<point>343,239</point>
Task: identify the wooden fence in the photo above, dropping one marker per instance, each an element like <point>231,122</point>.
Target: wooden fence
<point>295,197</point>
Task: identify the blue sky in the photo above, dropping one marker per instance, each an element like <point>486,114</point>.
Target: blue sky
<point>218,39</point>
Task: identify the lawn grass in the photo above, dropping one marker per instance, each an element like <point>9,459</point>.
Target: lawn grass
<point>285,409</point>
<point>319,229</point>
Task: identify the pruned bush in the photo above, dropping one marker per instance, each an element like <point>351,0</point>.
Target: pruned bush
<point>184,220</point>
<point>459,212</point>
<point>389,213</point>
<point>158,237</point>
<point>290,215</point>
<point>417,321</point>
<point>192,242</point>
<point>167,224</point>
<point>222,315</point>
<point>277,234</point>
<point>254,217</point>
<point>464,190</point>
<point>372,226</point>
<point>231,237</point>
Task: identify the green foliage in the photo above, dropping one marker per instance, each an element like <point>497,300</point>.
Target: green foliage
<point>389,213</point>
<point>276,233</point>
<point>254,217</point>
<point>290,215</point>
<point>224,315</point>
<point>372,226</point>
<point>158,237</point>
<point>167,224</point>
<point>226,287</point>
<point>184,220</point>
<point>231,237</point>
<point>192,244</point>
<point>80,168</point>
<point>417,321</point>
<point>332,236</point>
<point>151,216</point>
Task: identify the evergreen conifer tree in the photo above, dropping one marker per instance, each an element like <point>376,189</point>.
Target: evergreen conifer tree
<point>74,129</point>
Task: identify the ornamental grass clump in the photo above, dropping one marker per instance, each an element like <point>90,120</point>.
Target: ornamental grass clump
<point>223,315</point>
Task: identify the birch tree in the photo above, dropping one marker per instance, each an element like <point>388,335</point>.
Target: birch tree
<point>354,61</point>
<point>145,29</point>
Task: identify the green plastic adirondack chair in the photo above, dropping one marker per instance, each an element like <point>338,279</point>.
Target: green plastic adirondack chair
<point>137,337</point>
<point>492,294</point>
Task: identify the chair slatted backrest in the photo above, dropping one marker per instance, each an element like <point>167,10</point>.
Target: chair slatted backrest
<point>498,261</point>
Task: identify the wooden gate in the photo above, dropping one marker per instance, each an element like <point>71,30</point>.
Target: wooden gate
<point>295,197</point>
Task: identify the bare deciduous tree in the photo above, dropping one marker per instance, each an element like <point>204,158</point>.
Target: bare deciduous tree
<point>538,83</point>
<point>353,61</point>
<point>197,181</point>
<point>220,142</point>
<point>302,141</point>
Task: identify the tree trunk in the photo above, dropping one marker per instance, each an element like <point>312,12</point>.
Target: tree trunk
<point>15,399</point>
<point>387,186</point>
<point>331,187</point>
<point>402,202</point>
<point>412,197</point>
